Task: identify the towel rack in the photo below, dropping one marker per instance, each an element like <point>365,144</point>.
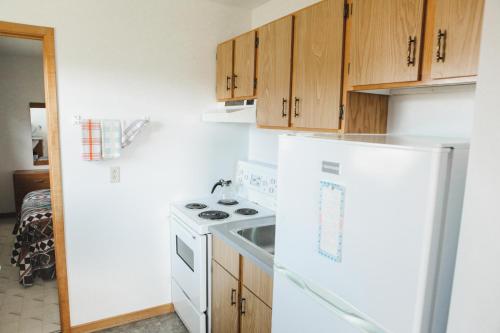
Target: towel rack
<point>77,119</point>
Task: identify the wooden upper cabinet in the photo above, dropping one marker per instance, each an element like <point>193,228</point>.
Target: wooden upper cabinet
<point>274,73</point>
<point>224,70</point>
<point>244,65</point>
<point>256,317</point>
<point>224,300</point>
<point>386,41</point>
<point>317,66</point>
<point>457,34</point>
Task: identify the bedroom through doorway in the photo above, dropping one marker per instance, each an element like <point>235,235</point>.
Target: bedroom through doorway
<point>29,295</point>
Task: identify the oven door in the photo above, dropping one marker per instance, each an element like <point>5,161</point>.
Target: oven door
<point>189,262</point>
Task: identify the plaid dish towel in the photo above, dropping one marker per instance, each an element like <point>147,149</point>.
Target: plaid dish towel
<point>91,140</point>
<point>111,138</point>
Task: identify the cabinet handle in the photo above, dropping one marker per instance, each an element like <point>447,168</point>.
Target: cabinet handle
<point>38,181</point>
<point>412,51</point>
<point>283,103</point>
<point>243,306</point>
<point>228,84</point>
<point>233,296</point>
<point>234,81</point>
<point>296,107</point>
<point>441,46</point>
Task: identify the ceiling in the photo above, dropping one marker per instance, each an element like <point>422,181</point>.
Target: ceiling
<point>242,3</point>
<point>20,47</point>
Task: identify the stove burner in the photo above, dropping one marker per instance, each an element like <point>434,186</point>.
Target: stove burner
<point>213,215</point>
<point>227,202</point>
<point>246,211</point>
<point>196,205</point>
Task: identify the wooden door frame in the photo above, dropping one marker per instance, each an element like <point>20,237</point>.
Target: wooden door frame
<point>46,35</point>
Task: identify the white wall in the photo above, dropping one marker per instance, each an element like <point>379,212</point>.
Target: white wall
<point>275,9</point>
<point>21,82</point>
<point>476,291</point>
<point>439,111</point>
<point>443,112</point>
<point>126,59</point>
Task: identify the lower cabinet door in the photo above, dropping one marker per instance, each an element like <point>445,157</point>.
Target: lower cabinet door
<point>255,314</point>
<point>224,301</point>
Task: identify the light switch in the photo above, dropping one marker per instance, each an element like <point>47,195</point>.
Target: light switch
<point>115,175</point>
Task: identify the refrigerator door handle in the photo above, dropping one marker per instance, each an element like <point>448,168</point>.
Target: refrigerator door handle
<point>333,302</point>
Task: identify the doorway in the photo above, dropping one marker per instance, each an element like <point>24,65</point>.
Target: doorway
<point>37,235</point>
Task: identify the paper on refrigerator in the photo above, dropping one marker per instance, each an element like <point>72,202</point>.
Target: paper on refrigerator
<point>331,220</point>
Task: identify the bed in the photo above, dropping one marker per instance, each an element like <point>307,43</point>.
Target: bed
<point>33,250</point>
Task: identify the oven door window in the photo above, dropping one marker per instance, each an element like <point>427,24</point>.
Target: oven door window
<point>184,252</point>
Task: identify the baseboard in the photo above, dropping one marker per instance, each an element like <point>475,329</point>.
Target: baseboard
<point>7,215</point>
<point>123,319</point>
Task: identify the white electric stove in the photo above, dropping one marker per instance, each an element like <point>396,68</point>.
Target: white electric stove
<point>192,243</point>
<point>201,213</point>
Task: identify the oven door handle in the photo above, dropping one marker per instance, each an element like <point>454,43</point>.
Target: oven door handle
<point>180,224</point>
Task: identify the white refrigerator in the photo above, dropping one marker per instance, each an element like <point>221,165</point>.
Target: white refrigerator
<point>366,232</point>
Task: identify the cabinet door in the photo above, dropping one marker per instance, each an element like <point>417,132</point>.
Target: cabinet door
<point>224,301</point>
<point>224,70</point>
<point>274,72</point>
<point>244,65</point>
<point>256,316</point>
<point>226,256</point>
<point>257,281</point>
<point>317,66</point>
<point>386,41</point>
<point>457,33</point>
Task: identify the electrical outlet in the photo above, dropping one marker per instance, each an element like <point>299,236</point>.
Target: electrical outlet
<point>115,175</point>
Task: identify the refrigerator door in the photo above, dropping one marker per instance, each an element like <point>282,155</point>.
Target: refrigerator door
<point>362,222</point>
<point>325,312</point>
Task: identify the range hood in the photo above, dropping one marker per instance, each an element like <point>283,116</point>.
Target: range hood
<point>242,111</point>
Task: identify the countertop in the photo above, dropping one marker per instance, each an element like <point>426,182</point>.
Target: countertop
<point>227,233</point>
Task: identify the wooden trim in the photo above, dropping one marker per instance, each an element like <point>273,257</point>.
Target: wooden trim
<point>416,84</point>
<point>46,35</point>
<point>236,98</point>
<point>300,129</point>
<point>347,63</point>
<point>37,105</point>
<point>324,130</point>
<point>124,319</point>
<point>428,44</point>
<point>23,30</point>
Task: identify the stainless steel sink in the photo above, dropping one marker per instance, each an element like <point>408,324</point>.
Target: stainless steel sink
<point>262,237</point>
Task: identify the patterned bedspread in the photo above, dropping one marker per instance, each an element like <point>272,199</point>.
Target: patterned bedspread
<point>34,246</point>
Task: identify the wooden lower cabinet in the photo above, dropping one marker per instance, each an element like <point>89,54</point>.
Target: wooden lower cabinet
<point>241,301</point>
<point>226,256</point>
<point>258,281</point>
<point>224,301</point>
<point>255,315</point>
